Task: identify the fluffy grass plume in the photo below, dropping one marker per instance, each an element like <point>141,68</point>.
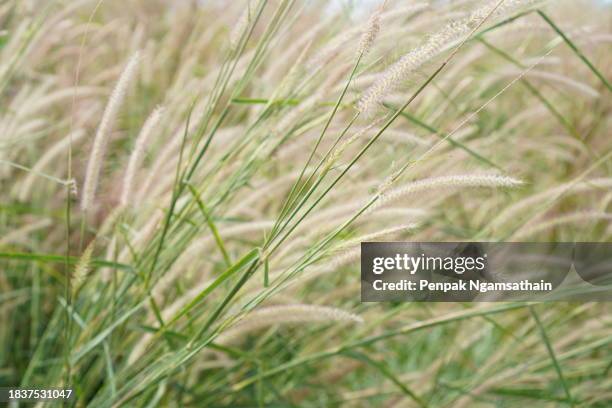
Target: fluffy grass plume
<point>136,157</point>
<point>98,150</point>
<point>227,228</point>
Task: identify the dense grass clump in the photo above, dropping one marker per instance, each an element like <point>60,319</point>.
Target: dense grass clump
<point>185,186</point>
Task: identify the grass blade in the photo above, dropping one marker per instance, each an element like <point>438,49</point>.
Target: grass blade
<point>384,370</point>
<point>211,225</point>
<point>576,50</point>
<point>551,353</point>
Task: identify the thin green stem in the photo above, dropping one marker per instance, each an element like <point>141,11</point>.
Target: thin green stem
<point>551,353</point>
<point>576,50</point>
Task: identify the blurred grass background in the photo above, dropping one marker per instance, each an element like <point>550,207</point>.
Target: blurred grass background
<point>229,277</point>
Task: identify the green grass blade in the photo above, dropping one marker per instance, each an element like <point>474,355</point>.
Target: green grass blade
<point>251,258</point>
<point>264,101</point>
<point>576,50</point>
<point>245,260</point>
<point>384,370</point>
<point>552,355</point>
<point>564,122</point>
<point>442,136</point>
<point>93,343</point>
<point>211,225</point>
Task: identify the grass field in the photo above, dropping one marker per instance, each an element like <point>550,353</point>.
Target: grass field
<point>185,186</point>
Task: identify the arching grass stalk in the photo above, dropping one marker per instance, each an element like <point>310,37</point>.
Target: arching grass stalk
<point>259,52</point>
<point>551,353</point>
<point>68,182</point>
<point>377,135</point>
<point>380,132</point>
<point>385,371</point>
<point>562,120</point>
<point>190,168</point>
<point>229,65</point>
<point>173,200</point>
<point>211,226</point>
<point>576,50</point>
<point>289,201</point>
<point>219,87</point>
<point>277,229</point>
<point>410,328</point>
<point>367,39</point>
<point>450,140</point>
<point>412,163</point>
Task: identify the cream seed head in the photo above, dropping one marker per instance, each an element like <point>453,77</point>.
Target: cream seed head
<point>371,32</point>
<point>286,314</point>
<point>380,234</point>
<point>406,65</point>
<point>456,181</point>
<point>403,69</point>
<point>137,154</point>
<point>108,119</point>
<point>82,267</point>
